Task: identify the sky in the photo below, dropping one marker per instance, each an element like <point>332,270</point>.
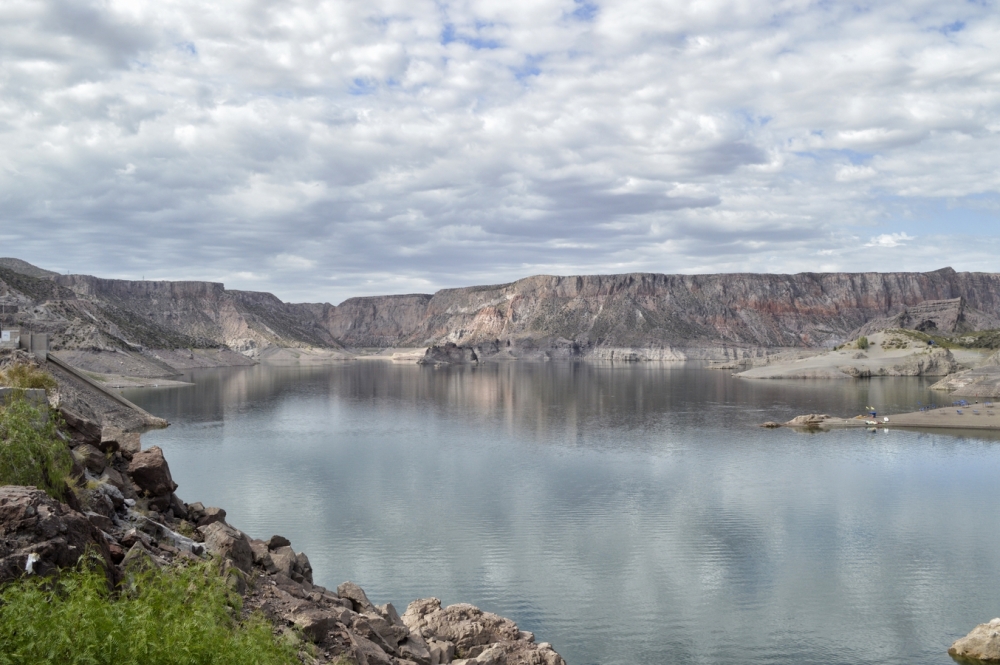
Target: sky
<point>322,150</point>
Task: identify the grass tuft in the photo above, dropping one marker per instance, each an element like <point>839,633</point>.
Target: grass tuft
<point>24,376</point>
<point>31,452</point>
<point>180,615</point>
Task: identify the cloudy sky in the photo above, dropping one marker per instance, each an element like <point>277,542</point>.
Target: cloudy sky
<point>321,150</point>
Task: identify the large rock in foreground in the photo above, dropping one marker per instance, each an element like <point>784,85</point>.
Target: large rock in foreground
<point>36,527</point>
<point>982,644</point>
<point>474,636</point>
<point>150,472</point>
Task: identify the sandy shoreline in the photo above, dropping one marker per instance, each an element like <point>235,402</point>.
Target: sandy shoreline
<point>974,416</point>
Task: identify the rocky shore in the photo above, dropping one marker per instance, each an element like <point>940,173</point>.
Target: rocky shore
<point>126,510</point>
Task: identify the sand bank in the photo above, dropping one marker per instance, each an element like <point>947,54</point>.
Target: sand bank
<point>974,416</point>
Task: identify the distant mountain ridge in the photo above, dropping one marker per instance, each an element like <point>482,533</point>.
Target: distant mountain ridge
<point>652,315</point>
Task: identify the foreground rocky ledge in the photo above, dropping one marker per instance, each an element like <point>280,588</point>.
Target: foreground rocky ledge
<point>982,644</point>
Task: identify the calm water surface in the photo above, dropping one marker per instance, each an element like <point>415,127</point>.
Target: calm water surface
<point>628,514</point>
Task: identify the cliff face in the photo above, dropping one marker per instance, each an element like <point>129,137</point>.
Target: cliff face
<point>653,311</point>
<point>81,311</point>
<point>206,311</point>
<point>631,316</point>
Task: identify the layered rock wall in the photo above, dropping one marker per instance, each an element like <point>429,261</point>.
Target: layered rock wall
<point>644,312</point>
<point>636,315</point>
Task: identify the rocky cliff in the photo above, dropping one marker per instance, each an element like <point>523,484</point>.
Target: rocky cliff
<point>650,315</point>
<point>632,316</point>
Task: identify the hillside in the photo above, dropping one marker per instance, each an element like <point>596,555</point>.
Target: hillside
<point>631,316</point>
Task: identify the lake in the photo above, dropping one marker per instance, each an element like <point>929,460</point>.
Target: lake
<point>628,514</point>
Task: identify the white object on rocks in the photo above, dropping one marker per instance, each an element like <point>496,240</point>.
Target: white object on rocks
<point>29,565</point>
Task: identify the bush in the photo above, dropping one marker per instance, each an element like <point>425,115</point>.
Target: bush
<point>22,375</point>
<point>31,452</point>
<point>177,616</point>
<point>862,343</point>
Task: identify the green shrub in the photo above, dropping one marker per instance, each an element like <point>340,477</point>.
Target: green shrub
<point>862,343</point>
<point>179,615</point>
<point>25,376</point>
<point>31,452</point>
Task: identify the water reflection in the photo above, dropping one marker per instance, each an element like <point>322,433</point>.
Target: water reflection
<point>628,514</point>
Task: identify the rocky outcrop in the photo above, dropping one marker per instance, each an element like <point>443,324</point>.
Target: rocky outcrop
<point>39,535</point>
<point>982,644</point>
<point>934,317</point>
<point>474,636</point>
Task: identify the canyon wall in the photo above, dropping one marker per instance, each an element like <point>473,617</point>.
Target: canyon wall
<point>636,316</point>
<point>581,315</point>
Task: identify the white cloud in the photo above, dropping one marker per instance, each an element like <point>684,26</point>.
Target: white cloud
<point>889,240</point>
<point>435,144</point>
<point>292,262</point>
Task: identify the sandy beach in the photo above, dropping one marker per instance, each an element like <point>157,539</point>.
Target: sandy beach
<point>974,416</point>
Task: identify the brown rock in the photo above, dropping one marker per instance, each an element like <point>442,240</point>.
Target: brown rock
<point>227,542</point>
<point>211,515</point>
<point>261,556</point>
<point>278,541</point>
<point>100,521</point>
<point>283,559</point>
<point>33,523</point>
<point>150,472</point>
<point>481,637</point>
<point>358,599</point>
<point>314,623</point>
<point>303,567</point>
<point>117,553</point>
<point>115,479</point>
<point>982,644</point>
<point>91,458</point>
<point>84,430</point>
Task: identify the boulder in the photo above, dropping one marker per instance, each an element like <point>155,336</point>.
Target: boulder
<point>113,439</point>
<point>112,477</point>
<point>100,521</point>
<point>358,599</point>
<point>809,420</point>
<point>481,638</point>
<point>288,563</point>
<point>278,541</point>
<point>314,622</point>
<point>982,644</point>
<point>303,567</point>
<point>211,515</point>
<point>283,560</point>
<point>227,542</point>
<point>391,634</point>
<point>150,472</point>
<point>83,429</point>
<point>178,507</point>
<point>34,524</point>
<point>262,556</point>
<point>196,511</point>
<point>415,648</point>
<point>90,458</point>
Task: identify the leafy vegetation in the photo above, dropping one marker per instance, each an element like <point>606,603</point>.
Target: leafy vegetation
<point>22,375</point>
<point>31,452</point>
<point>179,615</point>
<point>862,342</point>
